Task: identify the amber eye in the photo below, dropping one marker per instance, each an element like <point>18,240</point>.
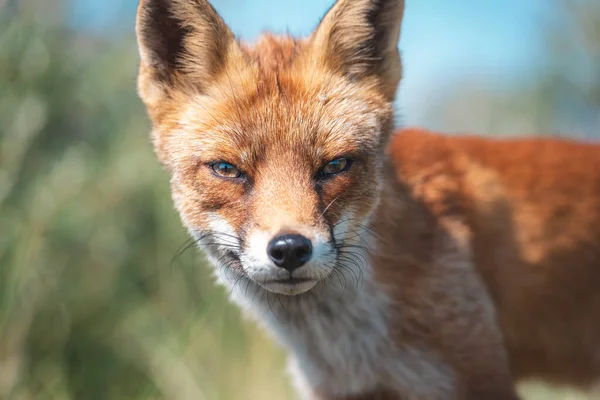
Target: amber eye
<point>225,170</point>
<point>336,166</point>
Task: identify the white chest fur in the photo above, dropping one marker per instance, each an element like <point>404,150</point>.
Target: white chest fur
<point>337,335</point>
<point>340,342</point>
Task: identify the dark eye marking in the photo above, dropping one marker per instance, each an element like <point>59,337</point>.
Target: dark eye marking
<point>335,167</point>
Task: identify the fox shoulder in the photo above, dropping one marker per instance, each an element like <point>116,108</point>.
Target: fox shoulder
<point>542,187</point>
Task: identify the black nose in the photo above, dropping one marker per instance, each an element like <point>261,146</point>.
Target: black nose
<point>289,251</point>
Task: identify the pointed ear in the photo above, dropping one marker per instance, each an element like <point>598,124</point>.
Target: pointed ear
<point>359,38</point>
<point>181,42</point>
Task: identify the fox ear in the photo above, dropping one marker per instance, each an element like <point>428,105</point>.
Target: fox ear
<point>359,38</point>
<point>180,42</point>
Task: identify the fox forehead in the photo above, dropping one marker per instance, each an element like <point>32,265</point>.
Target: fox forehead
<point>292,106</point>
<point>308,127</point>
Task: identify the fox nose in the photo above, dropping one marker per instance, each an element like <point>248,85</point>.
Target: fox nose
<point>289,251</point>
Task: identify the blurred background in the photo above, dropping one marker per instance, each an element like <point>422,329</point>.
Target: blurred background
<point>100,295</point>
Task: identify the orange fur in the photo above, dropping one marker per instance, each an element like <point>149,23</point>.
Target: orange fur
<point>531,208</point>
<point>464,264</point>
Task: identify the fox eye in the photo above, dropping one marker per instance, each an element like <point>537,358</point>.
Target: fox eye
<point>336,166</point>
<point>225,170</point>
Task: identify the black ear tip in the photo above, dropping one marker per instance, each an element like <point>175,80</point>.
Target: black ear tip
<point>173,32</point>
<point>160,33</point>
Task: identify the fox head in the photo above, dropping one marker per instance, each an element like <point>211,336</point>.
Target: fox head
<point>275,149</point>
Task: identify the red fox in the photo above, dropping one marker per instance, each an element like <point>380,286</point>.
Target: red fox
<point>405,265</point>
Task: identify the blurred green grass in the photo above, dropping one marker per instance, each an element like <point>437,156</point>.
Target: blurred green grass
<point>95,302</point>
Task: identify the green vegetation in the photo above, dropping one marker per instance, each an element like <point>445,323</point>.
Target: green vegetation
<point>96,299</point>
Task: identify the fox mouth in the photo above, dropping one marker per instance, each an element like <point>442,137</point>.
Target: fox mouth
<point>288,286</point>
<point>288,281</point>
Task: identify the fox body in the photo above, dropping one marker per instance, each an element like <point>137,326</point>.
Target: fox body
<point>390,266</point>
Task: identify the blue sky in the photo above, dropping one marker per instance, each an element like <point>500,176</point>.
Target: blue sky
<point>442,40</point>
